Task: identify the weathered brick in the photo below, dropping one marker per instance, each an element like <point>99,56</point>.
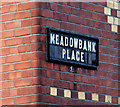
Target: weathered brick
<point>22,15</point>
<point>8,101</point>
<point>67,76</point>
<point>13,25</point>
<point>8,17</point>
<point>22,99</point>
<point>5,51</point>
<point>22,82</point>
<point>5,9</point>
<point>13,75</point>
<point>5,93</point>
<point>19,32</point>
<point>7,34</point>
<point>13,8</point>
<point>13,41</point>
<point>13,92</point>
<point>22,65</point>
<point>7,84</point>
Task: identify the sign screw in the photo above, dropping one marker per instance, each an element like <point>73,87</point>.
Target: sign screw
<point>71,68</point>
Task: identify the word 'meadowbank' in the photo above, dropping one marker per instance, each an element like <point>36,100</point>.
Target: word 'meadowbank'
<point>72,48</point>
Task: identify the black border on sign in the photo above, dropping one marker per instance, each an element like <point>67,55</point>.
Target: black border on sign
<point>70,63</point>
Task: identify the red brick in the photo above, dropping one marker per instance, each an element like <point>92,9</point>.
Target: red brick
<point>3,76</point>
<point>5,93</point>
<point>3,60</point>
<point>60,84</point>
<point>88,88</point>
<point>102,74</point>
<point>13,25</point>
<point>108,35</point>
<point>41,12</point>
<point>22,99</point>
<point>52,23</point>
<point>114,100</point>
<point>102,26</point>
<point>75,4</point>
<point>53,6</point>
<point>38,29</point>
<point>14,41</point>
<point>67,26</point>
<point>7,84</point>
<point>8,17</point>
<point>19,32</point>
<point>115,92</point>
<point>22,15</point>
<point>7,34</point>
<point>8,101</point>
<point>92,7</point>
<point>5,9</point>
<point>102,57</point>
<point>2,27</point>
<point>45,64</point>
<point>42,81</point>
<point>26,22</point>
<point>13,92</point>
<point>95,32</point>
<point>114,44</point>
<point>38,21</point>
<point>13,75</point>
<point>27,48</point>
<point>108,83</point>
<point>20,91</point>
<point>26,40</point>
<point>30,5</point>
<point>59,16</point>
<point>22,82</point>
<point>2,44</point>
<point>40,72</point>
<point>53,74</point>
<point>74,19</point>
<point>95,81</point>
<point>21,49</point>
<point>35,55</point>
<point>9,67</point>
<point>14,58</point>
<point>13,8</point>
<point>79,78</point>
<point>87,22</point>
<point>5,51</point>
<point>67,76</point>
<point>103,41</point>
<point>78,12</point>
<point>13,50</point>
<point>114,76</point>
<point>27,73</point>
<point>6,3</point>
<point>37,38</point>
<point>19,7</point>
<point>30,90</point>
<point>79,87</point>
<point>22,65</point>
<point>102,90</point>
<point>96,16</point>
<point>117,84</point>
<point>81,29</point>
<point>64,9</point>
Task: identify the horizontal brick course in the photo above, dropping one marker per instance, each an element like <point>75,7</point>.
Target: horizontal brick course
<point>27,78</point>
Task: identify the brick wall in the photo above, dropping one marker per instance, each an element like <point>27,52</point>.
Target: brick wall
<point>26,77</point>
